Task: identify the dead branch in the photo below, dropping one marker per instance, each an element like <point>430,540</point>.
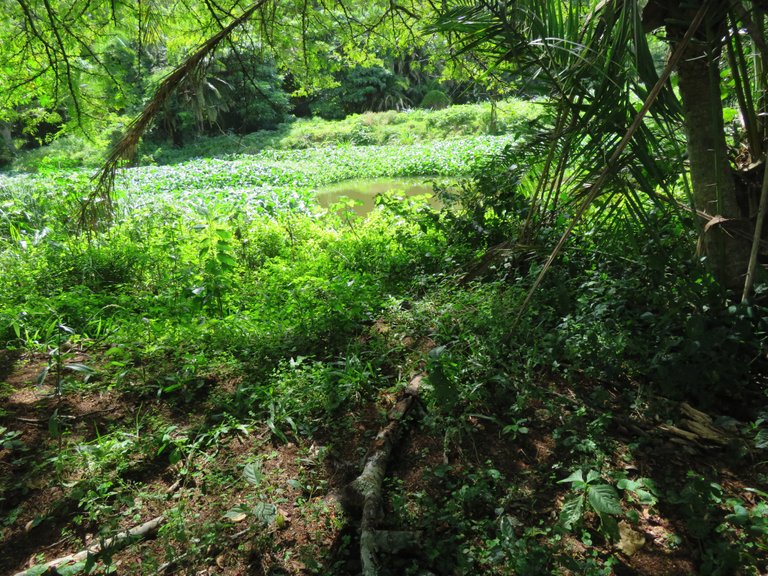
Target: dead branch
<point>366,488</point>
<point>119,540</point>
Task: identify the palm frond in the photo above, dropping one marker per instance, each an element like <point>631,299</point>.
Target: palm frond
<point>612,164</point>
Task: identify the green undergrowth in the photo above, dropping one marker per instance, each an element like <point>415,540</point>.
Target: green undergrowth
<point>256,342</point>
<point>395,128</point>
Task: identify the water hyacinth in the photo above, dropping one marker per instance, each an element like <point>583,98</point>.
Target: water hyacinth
<point>267,183</point>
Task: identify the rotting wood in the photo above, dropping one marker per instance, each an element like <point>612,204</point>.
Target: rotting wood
<point>118,541</point>
<point>697,427</point>
<point>690,436</point>
<point>366,488</point>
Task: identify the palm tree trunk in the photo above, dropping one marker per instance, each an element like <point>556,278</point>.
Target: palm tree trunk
<point>714,189</point>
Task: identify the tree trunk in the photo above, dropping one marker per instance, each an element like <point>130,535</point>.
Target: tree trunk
<point>7,137</point>
<point>714,188</point>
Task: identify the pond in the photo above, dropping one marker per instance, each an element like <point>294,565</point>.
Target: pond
<point>365,191</point>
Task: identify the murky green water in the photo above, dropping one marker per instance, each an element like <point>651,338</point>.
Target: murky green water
<point>365,191</point>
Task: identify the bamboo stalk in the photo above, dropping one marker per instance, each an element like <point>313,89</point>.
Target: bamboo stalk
<point>761,210</point>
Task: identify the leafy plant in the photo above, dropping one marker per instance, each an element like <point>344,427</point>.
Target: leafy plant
<point>10,440</point>
<point>642,490</point>
<point>217,254</point>
<point>57,359</point>
<point>593,494</point>
<point>435,100</point>
<point>264,512</point>
<point>752,520</point>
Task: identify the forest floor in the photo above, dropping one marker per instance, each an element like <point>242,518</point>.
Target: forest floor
<point>199,387</point>
<point>302,524</point>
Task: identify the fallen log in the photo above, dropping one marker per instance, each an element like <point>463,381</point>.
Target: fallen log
<point>119,540</point>
<point>366,488</point>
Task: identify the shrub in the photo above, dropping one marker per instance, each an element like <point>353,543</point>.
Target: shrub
<point>435,100</point>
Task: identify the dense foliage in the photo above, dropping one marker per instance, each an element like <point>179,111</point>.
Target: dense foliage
<point>190,337</point>
<point>222,292</point>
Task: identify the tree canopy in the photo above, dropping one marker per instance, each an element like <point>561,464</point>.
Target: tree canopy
<point>85,63</point>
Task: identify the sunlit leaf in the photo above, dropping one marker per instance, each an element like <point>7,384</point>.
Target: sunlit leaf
<point>575,477</point>
<point>265,512</point>
<point>604,499</point>
<point>573,508</point>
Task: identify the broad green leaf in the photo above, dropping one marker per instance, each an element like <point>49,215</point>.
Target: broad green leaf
<point>293,483</point>
<point>592,475</point>
<point>604,499</point>
<point>253,474</point>
<point>645,497</point>
<point>575,477</point>
<point>729,114</point>
<point>573,508</point>
<point>638,488</point>
<point>275,430</point>
<point>175,456</point>
<point>625,484</point>
<point>761,439</point>
<point>265,512</point>
<point>436,352</point>
<point>226,259</point>
<point>236,514</point>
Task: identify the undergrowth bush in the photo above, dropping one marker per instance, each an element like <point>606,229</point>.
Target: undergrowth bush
<point>435,100</point>
<point>627,303</point>
<point>221,288</point>
<point>639,304</point>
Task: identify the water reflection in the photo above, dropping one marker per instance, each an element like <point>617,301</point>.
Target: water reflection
<point>365,191</point>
